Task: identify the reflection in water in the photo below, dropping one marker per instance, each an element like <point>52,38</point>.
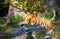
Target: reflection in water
<point>22,30</point>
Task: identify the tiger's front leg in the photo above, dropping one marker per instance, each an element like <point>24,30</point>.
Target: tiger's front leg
<point>23,22</point>
<point>35,35</point>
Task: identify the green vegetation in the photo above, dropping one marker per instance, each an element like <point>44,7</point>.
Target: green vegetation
<point>32,5</point>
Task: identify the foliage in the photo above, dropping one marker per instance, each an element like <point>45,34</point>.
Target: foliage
<point>13,19</point>
<point>32,5</point>
<point>47,15</point>
<point>28,5</point>
<point>57,2</point>
<point>2,21</point>
<point>4,1</point>
<point>36,5</point>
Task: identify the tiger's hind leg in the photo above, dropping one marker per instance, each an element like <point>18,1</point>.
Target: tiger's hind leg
<point>50,35</point>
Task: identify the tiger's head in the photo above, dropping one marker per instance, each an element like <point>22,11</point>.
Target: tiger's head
<point>28,15</point>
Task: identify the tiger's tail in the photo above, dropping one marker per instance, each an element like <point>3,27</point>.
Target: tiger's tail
<point>53,16</point>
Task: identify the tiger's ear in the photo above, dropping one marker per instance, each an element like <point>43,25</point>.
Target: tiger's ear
<point>28,13</point>
<point>35,13</point>
<point>27,9</point>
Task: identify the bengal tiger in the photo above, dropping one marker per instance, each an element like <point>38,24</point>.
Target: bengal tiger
<point>30,18</point>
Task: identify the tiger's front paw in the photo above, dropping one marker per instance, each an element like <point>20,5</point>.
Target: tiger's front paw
<point>20,24</point>
<point>46,37</point>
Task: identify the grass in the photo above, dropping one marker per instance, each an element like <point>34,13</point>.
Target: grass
<point>57,31</point>
<point>14,23</point>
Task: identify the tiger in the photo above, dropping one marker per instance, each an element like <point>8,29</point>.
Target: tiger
<point>30,18</point>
